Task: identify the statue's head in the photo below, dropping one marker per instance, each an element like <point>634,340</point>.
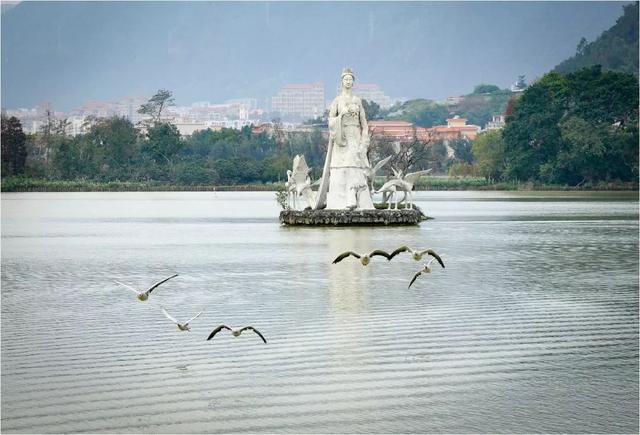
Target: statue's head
<point>347,77</point>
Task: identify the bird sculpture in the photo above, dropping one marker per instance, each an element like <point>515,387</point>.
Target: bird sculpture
<point>407,184</point>
<point>235,332</point>
<point>370,173</point>
<point>404,183</point>
<point>143,296</point>
<point>364,258</point>
<point>181,326</point>
<point>425,269</point>
<point>417,254</point>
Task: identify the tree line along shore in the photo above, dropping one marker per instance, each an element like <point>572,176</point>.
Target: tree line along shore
<point>21,184</point>
<point>565,131</point>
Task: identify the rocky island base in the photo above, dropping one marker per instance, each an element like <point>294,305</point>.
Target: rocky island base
<point>352,217</point>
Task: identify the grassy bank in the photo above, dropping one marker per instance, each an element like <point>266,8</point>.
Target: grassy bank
<point>16,184</point>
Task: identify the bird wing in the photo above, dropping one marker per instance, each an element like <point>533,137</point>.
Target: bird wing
<point>193,318</point>
<point>399,250</point>
<point>169,316</point>
<point>434,255</point>
<point>218,329</point>
<point>152,288</point>
<point>129,287</point>
<point>251,328</point>
<point>381,253</point>
<point>415,176</point>
<point>379,165</point>
<point>414,278</point>
<point>344,255</point>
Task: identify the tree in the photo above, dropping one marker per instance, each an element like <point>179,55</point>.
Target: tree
<point>485,89</point>
<point>371,109</point>
<point>14,151</point>
<point>421,112</point>
<point>462,150</point>
<point>163,142</point>
<point>488,152</point>
<point>407,155</point>
<point>615,49</point>
<point>581,45</point>
<point>156,105</point>
<point>582,127</point>
<point>115,139</point>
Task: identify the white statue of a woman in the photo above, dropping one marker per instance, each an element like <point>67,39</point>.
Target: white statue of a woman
<point>347,155</point>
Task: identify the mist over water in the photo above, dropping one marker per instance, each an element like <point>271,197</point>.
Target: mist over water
<point>532,326</point>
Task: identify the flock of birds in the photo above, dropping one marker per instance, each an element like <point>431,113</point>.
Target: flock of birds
<point>416,254</point>
<point>364,258</point>
<point>184,326</point>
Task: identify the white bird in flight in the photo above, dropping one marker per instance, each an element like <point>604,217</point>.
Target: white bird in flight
<point>364,258</point>
<point>235,332</point>
<point>181,326</point>
<point>143,296</point>
<point>425,269</point>
<point>417,254</point>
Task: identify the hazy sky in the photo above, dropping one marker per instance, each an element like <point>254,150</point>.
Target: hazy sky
<point>70,52</point>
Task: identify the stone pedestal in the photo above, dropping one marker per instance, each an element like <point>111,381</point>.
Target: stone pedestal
<point>352,217</point>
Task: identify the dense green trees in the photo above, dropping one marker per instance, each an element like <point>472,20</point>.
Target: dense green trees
<point>488,153</point>
<point>563,129</point>
<point>371,109</point>
<point>421,112</point>
<point>14,151</point>
<point>582,127</point>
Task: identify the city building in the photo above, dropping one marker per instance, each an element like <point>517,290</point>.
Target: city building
<point>520,85</point>
<point>497,122</point>
<point>399,131</point>
<point>456,128</point>
<point>299,101</point>
<point>372,92</point>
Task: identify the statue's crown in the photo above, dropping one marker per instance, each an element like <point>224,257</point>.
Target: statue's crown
<point>347,71</point>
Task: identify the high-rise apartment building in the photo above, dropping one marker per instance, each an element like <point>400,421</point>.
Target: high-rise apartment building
<point>299,101</point>
<point>372,92</point>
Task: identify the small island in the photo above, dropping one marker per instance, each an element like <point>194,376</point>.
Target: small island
<point>345,190</point>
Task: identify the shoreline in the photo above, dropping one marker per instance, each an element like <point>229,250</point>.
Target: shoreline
<point>438,184</point>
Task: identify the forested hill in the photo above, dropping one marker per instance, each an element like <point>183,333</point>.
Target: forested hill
<point>616,49</point>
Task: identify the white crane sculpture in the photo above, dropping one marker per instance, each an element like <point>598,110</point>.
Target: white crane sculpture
<point>299,183</point>
<point>402,183</point>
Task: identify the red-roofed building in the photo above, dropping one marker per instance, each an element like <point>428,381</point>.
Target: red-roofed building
<point>456,128</point>
<point>402,131</point>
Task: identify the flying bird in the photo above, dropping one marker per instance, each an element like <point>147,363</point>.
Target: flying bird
<point>425,269</point>
<point>364,258</point>
<point>235,332</point>
<point>143,296</point>
<point>181,326</point>
<point>417,254</point>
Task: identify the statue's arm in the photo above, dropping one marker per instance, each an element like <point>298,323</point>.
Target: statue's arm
<point>333,109</point>
<point>334,122</point>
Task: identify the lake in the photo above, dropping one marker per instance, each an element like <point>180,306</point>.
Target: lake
<point>531,327</point>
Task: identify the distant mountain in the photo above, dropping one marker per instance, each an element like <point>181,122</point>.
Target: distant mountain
<point>616,49</point>
<point>71,52</point>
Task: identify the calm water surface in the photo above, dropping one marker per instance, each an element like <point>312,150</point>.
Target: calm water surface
<point>532,326</point>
